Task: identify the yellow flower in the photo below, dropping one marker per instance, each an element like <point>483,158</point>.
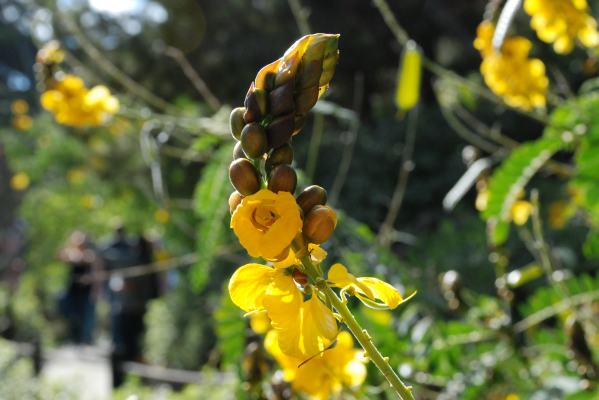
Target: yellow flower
<point>162,216</point>
<point>266,223</point>
<point>50,53</point>
<point>305,327</point>
<point>521,211</point>
<point>325,376</point>
<point>89,201</point>
<point>562,22</point>
<point>19,106</point>
<point>19,181</point>
<point>367,289</point>
<point>73,104</point>
<point>482,200</point>
<point>22,122</point>
<point>560,213</point>
<point>76,176</point>
<point>509,73</point>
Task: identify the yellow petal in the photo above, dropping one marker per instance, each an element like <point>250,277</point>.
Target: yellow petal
<point>340,277</point>
<point>382,291</point>
<point>259,322</point>
<point>248,285</point>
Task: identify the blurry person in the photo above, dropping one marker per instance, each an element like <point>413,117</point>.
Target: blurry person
<point>78,303</point>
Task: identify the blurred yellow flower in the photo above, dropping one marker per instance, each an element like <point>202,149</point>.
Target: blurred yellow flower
<point>76,176</point>
<point>365,287</point>
<point>482,200</point>
<point>89,201</point>
<point>266,223</point>
<point>509,72</point>
<point>73,104</point>
<point>562,22</point>
<point>306,327</point>
<point>321,377</point>
<point>512,396</point>
<point>162,216</point>
<point>50,53</point>
<point>19,106</point>
<point>521,211</point>
<point>22,122</point>
<point>19,181</point>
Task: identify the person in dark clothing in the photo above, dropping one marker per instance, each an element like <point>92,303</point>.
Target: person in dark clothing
<point>79,301</point>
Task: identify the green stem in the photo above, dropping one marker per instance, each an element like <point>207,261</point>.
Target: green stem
<point>403,392</point>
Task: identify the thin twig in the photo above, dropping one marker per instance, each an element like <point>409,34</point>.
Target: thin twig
<point>109,68</point>
<point>198,83</point>
<point>350,142</point>
<point>406,167</point>
<point>300,14</point>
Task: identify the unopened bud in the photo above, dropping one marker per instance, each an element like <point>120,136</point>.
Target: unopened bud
<point>319,224</point>
<point>408,83</point>
<point>238,151</point>
<point>279,131</point>
<point>281,99</point>
<point>236,122</point>
<point>255,104</point>
<point>281,155</point>
<point>282,179</point>
<point>311,196</point>
<point>300,277</point>
<point>244,177</point>
<point>253,140</point>
<point>234,200</point>
<point>305,99</point>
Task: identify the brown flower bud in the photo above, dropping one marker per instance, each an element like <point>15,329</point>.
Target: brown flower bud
<point>311,196</point>
<point>282,179</point>
<point>234,200</point>
<point>281,155</point>
<point>266,76</point>
<point>305,99</point>
<point>253,140</point>
<point>319,224</point>
<point>255,104</point>
<point>281,99</point>
<point>238,151</point>
<point>236,121</point>
<point>244,177</point>
<point>279,131</point>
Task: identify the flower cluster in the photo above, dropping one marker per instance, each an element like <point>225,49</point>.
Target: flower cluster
<point>72,103</point>
<point>519,213</point>
<point>509,72</point>
<point>288,295</point>
<point>562,22</point>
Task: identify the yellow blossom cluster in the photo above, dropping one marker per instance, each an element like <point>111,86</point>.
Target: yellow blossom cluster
<point>563,22</point>
<point>509,72</point>
<point>72,103</point>
<point>519,213</point>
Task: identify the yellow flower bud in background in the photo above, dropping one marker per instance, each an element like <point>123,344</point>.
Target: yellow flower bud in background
<point>407,93</point>
<point>22,122</point>
<point>521,211</point>
<point>162,216</point>
<point>19,106</point>
<point>19,181</point>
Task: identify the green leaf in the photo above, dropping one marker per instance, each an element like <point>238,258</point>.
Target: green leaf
<point>514,173</point>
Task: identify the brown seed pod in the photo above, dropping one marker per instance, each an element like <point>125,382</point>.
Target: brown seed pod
<point>238,151</point>
<point>253,140</point>
<point>234,200</point>
<point>311,196</point>
<point>236,122</point>
<point>282,179</point>
<point>244,177</point>
<point>281,155</point>
<point>281,99</point>
<point>319,224</point>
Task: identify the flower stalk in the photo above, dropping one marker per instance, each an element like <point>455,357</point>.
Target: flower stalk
<point>382,363</point>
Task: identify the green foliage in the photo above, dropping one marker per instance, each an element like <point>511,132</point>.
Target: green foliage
<point>211,206</point>
<point>230,330</point>
<point>515,172</point>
